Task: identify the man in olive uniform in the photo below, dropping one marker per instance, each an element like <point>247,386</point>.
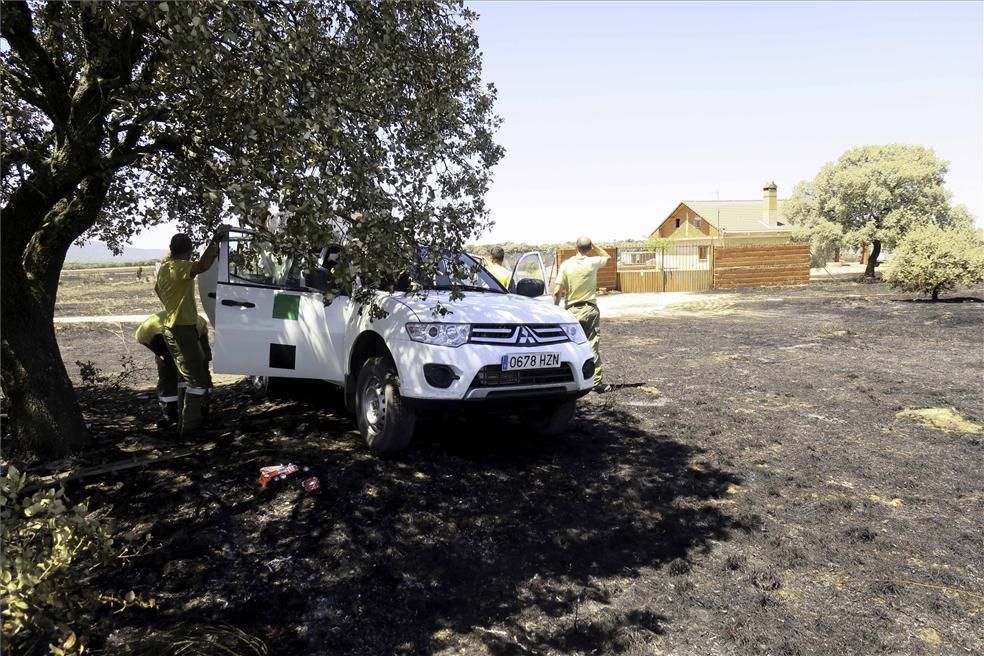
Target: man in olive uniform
<point>169,390</point>
<point>499,272</point>
<point>176,289</point>
<point>577,286</point>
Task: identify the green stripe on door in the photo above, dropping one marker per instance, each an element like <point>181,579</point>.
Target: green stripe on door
<point>286,306</point>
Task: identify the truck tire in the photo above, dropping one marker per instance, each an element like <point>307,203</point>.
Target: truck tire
<point>385,420</point>
<point>259,386</point>
<point>554,419</point>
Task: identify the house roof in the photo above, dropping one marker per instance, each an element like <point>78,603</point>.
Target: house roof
<point>735,215</point>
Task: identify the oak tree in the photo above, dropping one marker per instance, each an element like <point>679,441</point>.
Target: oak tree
<point>876,194</point>
<point>121,115</point>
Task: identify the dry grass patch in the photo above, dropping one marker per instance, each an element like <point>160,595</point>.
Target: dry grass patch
<point>930,636</point>
<point>894,502</point>
<point>943,419</point>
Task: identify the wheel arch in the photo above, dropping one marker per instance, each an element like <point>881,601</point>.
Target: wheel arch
<point>367,345</point>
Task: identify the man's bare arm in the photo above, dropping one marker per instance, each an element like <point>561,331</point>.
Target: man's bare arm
<point>560,293</point>
<point>598,250</point>
<point>204,263</point>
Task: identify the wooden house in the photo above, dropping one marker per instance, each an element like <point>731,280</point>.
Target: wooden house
<point>727,222</point>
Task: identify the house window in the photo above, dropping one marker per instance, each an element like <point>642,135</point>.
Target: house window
<point>697,222</point>
<point>702,253</point>
<point>678,223</point>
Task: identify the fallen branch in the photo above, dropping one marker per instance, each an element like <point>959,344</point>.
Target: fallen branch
<point>63,477</point>
<point>504,635</point>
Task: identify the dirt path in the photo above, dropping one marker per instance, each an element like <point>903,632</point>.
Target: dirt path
<point>103,318</point>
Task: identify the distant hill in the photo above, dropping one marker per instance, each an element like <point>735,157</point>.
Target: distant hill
<point>96,251</point>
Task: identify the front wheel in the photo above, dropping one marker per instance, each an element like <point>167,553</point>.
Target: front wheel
<point>385,420</point>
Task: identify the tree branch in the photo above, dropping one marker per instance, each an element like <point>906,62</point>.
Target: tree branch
<point>133,155</point>
<point>16,26</point>
<point>29,155</point>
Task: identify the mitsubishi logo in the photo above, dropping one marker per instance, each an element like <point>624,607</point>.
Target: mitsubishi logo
<point>525,336</point>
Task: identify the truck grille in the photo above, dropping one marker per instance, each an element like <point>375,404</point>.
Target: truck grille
<point>493,376</point>
<point>518,335</point>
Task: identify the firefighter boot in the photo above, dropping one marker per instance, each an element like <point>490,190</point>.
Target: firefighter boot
<point>191,414</point>
<point>169,410</point>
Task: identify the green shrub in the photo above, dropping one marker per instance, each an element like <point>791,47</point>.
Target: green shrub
<point>931,259</point>
<point>50,549</point>
<point>91,375</point>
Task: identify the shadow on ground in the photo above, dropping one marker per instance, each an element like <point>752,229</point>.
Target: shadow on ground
<point>481,538</point>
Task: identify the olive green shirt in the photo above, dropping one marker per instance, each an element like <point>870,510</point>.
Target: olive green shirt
<point>579,276</point>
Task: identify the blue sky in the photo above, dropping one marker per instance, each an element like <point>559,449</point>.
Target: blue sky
<point>614,112</point>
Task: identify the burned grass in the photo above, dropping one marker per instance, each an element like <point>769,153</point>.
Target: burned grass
<point>750,489</point>
<point>95,293</point>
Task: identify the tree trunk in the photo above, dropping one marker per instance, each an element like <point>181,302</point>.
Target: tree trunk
<point>869,272</point>
<point>936,293</point>
<point>44,410</point>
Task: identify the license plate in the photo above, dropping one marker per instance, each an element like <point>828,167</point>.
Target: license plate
<point>517,361</point>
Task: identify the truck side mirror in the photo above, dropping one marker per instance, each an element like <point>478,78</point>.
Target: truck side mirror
<point>530,287</point>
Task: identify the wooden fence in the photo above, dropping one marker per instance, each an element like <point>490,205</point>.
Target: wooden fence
<point>680,268</point>
<point>761,266</point>
<point>694,268</point>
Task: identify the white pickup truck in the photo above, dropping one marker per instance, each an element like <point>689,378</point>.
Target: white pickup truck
<point>511,352</point>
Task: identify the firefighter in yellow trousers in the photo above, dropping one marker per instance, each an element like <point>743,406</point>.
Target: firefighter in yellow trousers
<point>170,390</point>
<point>176,289</point>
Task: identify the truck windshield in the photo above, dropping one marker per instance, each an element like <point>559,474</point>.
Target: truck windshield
<point>480,281</point>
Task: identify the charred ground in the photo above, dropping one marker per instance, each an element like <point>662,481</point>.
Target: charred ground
<point>751,488</point>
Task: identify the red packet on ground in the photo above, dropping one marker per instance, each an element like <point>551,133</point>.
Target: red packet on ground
<point>272,472</point>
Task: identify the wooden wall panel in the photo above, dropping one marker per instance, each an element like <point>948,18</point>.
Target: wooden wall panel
<point>761,266</point>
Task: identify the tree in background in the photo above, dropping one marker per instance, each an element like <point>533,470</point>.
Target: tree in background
<point>121,115</point>
<point>826,237</point>
<point>875,195</point>
<point>931,259</point>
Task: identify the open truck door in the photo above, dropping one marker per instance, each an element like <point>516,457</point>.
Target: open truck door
<point>264,326</point>
<point>529,277</point>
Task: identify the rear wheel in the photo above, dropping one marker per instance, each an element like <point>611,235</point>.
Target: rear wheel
<point>385,420</point>
<point>259,386</point>
<point>554,419</point>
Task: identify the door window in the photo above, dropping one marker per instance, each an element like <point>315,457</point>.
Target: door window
<point>252,262</point>
<point>529,276</point>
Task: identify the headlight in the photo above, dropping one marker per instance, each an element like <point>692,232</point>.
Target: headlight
<point>574,332</point>
<point>439,334</point>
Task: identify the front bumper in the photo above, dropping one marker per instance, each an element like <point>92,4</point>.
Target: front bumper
<point>468,360</point>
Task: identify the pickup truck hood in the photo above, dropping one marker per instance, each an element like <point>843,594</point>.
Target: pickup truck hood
<point>482,307</point>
